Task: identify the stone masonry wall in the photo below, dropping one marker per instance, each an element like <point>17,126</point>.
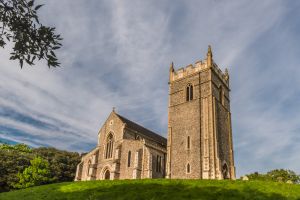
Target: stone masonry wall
<point>205,119</point>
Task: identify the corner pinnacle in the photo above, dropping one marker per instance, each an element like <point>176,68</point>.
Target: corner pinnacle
<point>209,56</point>
<point>209,51</point>
<point>172,67</point>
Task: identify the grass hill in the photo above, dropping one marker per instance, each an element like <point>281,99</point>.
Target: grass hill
<point>159,189</point>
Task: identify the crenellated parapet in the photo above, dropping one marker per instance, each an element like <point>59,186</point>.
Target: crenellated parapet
<point>199,66</point>
<point>199,122</point>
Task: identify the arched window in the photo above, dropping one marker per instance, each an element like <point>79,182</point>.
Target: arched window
<point>188,168</point>
<point>109,146</point>
<point>188,145</point>
<point>189,92</point>
<point>129,159</point>
<point>88,167</point>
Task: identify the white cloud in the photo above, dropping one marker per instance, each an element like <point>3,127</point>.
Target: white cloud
<point>117,53</point>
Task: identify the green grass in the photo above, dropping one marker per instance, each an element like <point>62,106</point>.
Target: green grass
<point>158,189</point>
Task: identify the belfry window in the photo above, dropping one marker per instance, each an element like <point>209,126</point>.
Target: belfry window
<point>188,168</point>
<point>189,92</point>
<point>129,159</point>
<point>109,146</point>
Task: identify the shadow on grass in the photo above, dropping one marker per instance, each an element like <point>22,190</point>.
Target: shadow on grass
<point>169,192</point>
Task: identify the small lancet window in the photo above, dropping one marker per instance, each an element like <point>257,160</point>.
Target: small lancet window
<point>129,159</point>
<point>188,142</point>
<point>188,168</point>
<point>189,92</point>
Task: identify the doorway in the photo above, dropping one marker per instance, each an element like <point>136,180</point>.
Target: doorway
<point>107,175</point>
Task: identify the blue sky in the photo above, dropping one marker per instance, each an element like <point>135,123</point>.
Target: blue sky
<point>117,53</point>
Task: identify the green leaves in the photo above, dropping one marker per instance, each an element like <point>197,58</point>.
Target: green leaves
<point>18,147</point>
<point>37,173</point>
<point>16,158</point>
<point>277,175</point>
<point>282,175</point>
<point>32,40</point>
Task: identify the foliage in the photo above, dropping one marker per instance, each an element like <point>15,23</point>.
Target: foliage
<point>62,163</point>
<point>37,173</point>
<point>277,175</point>
<point>258,176</point>
<point>11,162</point>
<point>282,175</point>
<point>159,189</point>
<point>19,24</point>
<point>15,158</point>
<point>18,147</point>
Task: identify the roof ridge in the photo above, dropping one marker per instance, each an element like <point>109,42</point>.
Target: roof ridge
<point>124,119</point>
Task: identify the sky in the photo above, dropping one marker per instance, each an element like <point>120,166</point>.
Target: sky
<point>117,53</point>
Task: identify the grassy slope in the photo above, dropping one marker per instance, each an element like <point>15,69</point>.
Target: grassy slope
<point>159,189</point>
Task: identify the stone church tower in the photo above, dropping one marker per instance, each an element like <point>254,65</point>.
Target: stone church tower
<point>199,125</point>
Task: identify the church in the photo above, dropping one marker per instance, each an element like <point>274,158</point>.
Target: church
<point>199,144</point>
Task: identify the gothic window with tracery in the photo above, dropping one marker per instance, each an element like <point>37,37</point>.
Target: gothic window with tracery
<point>109,146</point>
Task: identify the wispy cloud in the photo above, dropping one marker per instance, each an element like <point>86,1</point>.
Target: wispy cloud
<point>117,53</point>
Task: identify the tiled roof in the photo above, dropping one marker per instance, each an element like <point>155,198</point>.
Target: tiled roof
<point>142,130</point>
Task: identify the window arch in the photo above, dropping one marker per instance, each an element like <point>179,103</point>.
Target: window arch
<point>189,92</point>
<point>109,146</point>
<point>188,168</point>
<point>129,159</point>
<point>188,142</point>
